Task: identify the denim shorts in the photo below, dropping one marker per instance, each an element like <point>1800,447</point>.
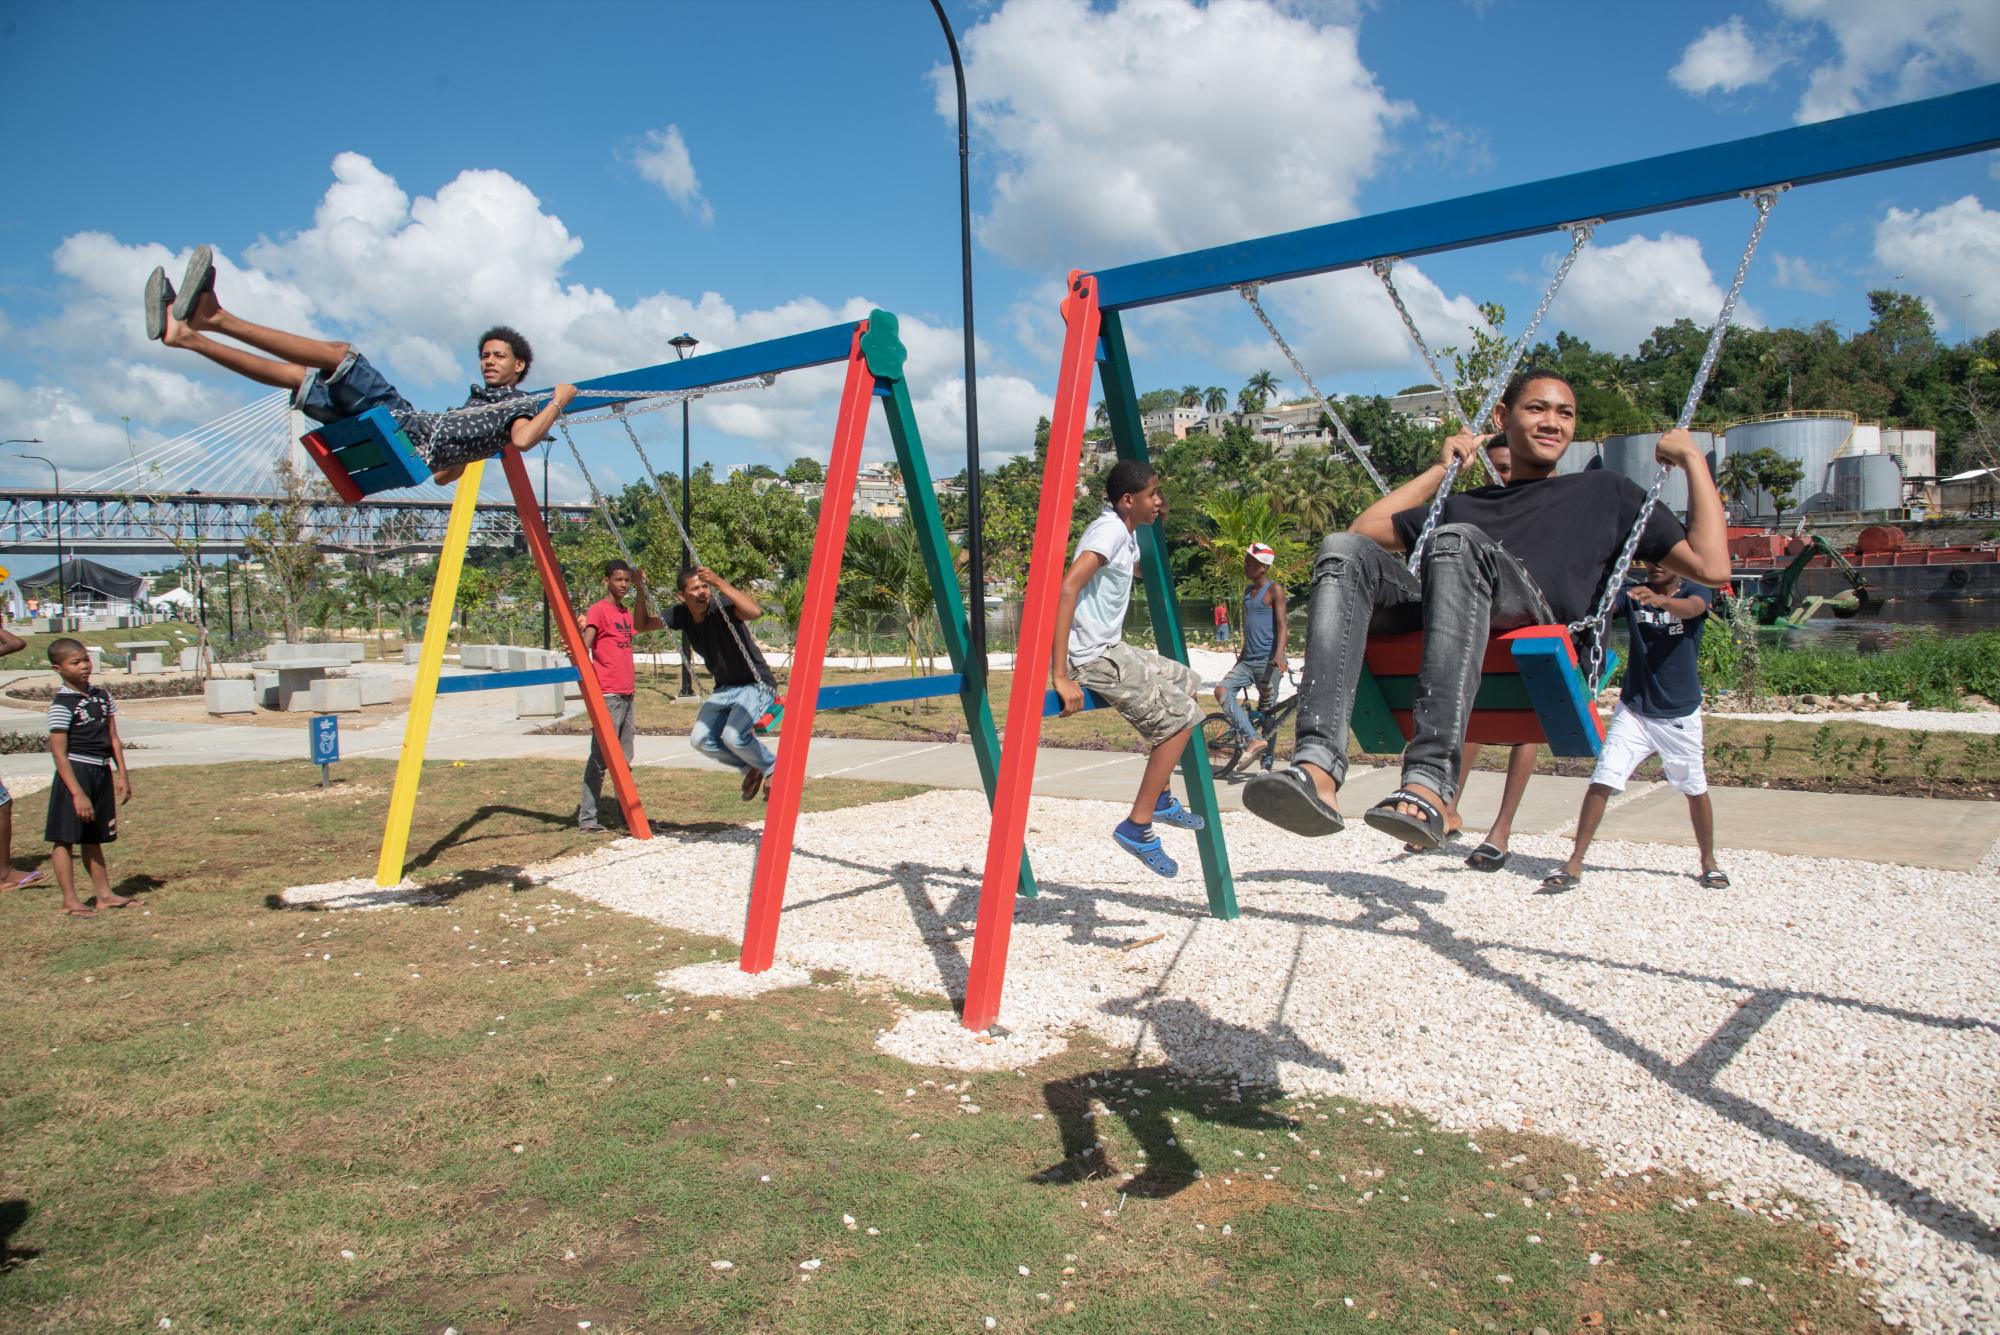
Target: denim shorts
<point>351,389</point>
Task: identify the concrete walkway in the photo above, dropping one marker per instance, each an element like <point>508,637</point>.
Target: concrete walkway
<point>1915,832</point>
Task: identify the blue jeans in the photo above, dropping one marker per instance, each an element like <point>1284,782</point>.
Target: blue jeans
<point>726,728</point>
<point>1471,588</point>
<point>1246,673</point>
<point>349,390</point>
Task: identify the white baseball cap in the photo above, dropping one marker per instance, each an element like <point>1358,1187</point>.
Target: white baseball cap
<point>1260,553</point>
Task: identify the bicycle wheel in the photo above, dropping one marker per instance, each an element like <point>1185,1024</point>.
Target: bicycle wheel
<point>1225,746</point>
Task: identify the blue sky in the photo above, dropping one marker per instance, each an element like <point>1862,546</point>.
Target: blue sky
<point>608,174</point>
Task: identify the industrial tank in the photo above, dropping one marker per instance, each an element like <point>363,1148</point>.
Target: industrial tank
<point>1866,482</point>
<point>1580,456</point>
<point>1811,440</point>
<point>1633,456</point>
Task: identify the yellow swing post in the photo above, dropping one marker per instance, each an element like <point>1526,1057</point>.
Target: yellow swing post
<point>416,733</point>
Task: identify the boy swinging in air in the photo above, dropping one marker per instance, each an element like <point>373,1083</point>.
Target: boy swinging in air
<point>1156,695</point>
<point>330,381</point>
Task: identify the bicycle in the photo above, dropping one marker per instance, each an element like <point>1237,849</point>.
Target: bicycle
<point>1225,745</point>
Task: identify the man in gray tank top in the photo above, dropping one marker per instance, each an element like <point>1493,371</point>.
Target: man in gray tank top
<point>1262,661</point>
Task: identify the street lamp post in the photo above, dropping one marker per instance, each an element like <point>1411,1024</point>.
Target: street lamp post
<point>62,584</point>
<point>200,584</point>
<point>975,545</point>
<point>682,345</point>
<point>545,528</point>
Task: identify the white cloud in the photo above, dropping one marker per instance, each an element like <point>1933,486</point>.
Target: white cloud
<point>1724,58</point>
<point>1617,295</point>
<point>1949,256</point>
<point>70,433</point>
<point>412,280</point>
<point>1797,273</point>
<point>1158,125</point>
<point>665,162</point>
<point>1896,50</point>
<point>1343,324</point>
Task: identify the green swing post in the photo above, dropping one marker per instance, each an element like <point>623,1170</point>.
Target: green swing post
<point>884,353</point>
<point>1128,435</point>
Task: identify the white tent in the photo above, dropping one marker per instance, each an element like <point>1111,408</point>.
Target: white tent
<point>173,600</point>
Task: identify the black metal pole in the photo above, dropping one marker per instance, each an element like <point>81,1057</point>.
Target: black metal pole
<point>975,546</point>
<point>687,552</point>
<point>200,584</point>
<point>229,592</point>
<point>545,528</point>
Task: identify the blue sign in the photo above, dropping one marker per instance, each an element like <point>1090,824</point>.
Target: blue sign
<point>325,739</point>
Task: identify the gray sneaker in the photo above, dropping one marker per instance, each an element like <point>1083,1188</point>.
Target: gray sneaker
<point>199,278</point>
<point>159,295</point>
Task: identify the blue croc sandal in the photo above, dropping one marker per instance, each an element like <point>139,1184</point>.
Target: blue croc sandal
<point>1173,813</point>
<point>1149,852</point>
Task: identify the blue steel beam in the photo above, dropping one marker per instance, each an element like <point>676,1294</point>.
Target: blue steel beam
<point>794,352</point>
<point>500,681</point>
<point>889,692</point>
<point>1940,127</point>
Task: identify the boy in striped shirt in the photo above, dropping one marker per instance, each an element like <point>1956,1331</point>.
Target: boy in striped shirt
<point>83,804</point>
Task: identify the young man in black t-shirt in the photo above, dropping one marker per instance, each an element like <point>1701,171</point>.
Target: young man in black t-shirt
<point>1533,552</point>
<point>712,612</point>
<point>83,804</point>
<point>1659,713</point>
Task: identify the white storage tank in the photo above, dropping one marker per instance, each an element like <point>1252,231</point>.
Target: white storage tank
<point>1866,482</point>
<point>1916,447</point>
<point>1633,456</point>
<point>1579,457</point>
<point>1812,440</point>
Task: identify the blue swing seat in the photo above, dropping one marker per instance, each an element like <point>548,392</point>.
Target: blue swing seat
<point>365,454</point>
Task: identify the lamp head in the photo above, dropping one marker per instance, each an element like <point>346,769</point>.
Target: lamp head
<point>682,343</point>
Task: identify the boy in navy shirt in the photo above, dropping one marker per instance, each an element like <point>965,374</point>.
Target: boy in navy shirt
<point>1659,712</point>
<point>83,804</point>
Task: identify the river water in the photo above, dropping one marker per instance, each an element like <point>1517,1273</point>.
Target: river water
<point>1891,624</point>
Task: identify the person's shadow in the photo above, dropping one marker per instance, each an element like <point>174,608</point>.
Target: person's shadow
<point>1188,1082</point>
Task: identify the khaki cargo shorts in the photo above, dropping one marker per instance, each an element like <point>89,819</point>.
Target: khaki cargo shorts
<point>1154,694</point>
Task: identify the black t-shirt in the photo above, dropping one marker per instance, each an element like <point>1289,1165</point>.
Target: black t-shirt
<point>86,717</point>
<point>720,647</point>
<point>1566,530</point>
<point>1663,680</point>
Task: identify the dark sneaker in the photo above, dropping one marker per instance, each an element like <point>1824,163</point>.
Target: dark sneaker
<point>159,296</point>
<point>199,278</point>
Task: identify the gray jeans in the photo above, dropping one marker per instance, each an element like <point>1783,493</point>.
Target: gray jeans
<point>620,707</point>
<point>1471,588</point>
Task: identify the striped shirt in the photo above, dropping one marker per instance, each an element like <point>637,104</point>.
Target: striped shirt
<point>86,716</point>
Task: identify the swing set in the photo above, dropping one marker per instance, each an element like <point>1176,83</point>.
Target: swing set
<point>1549,696</point>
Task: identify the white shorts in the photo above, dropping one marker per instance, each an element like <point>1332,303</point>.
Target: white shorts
<point>1633,736</point>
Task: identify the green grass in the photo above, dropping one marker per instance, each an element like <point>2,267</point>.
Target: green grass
<point>178,635</point>
<point>210,1103</point>
<point>1929,671</point>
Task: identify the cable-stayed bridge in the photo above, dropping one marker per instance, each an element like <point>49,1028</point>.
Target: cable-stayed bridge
<point>207,487</point>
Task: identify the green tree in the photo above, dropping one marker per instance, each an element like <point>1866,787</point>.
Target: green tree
<point>280,538</point>
<point>883,573</point>
<point>1263,384</point>
<point>805,470</point>
<point>1736,477</point>
<point>1215,399</point>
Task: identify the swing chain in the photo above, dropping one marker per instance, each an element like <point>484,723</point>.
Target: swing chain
<point>750,657</point>
<point>1249,292</point>
<point>1598,624</point>
<point>1580,234</point>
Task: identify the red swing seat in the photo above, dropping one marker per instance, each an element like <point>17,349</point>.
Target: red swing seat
<point>1531,689</point>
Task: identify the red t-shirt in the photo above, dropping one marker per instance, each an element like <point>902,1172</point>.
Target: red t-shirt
<point>611,651</point>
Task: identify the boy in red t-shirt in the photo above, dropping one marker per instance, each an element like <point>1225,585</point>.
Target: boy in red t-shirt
<point>608,628</point>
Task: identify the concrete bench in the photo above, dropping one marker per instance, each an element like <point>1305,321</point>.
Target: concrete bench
<point>191,659</point>
<point>413,654</point>
<point>353,653</point>
<point>230,695</point>
<point>544,701</point>
<point>375,688</point>
<point>335,695</point>
<point>476,655</point>
<point>146,665</point>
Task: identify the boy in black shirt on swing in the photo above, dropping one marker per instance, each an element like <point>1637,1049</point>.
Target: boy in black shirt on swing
<point>83,804</point>
<point>712,612</point>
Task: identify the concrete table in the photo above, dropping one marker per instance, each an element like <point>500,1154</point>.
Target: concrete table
<point>144,657</point>
<point>296,676</point>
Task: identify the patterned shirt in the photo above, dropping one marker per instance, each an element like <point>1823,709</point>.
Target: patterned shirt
<point>86,717</point>
<point>446,440</point>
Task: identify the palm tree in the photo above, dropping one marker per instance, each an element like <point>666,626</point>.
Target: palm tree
<point>1239,521</point>
<point>1737,476</point>
<point>1103,414</point>
<point>1215,399</point>
<point>1264,383</point>
<point>883,574</point>
<point>1190,396</point>
<point>1249,401</point>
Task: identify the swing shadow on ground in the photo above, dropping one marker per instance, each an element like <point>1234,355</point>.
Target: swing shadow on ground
<point>1389,907</point>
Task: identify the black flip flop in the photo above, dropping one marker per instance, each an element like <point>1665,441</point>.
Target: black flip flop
<point>199,278</point>
<point>1713,880</point>
<point>159,296</point>
<point>1488,857</point>
<point>1424,834</point>
<point>1288,800</point>
<point>752,781</point>
<point>1560,882</point>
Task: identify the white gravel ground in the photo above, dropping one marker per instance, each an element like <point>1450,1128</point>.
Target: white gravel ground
<point>721,978</point>
<point>357,892</point>
<point>1825,1032</point>
<point>1916,720</point>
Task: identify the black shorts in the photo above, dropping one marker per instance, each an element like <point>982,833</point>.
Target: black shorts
<point>65,826</point>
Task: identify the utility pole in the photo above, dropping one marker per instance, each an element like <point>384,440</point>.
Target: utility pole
<point>682,345</point>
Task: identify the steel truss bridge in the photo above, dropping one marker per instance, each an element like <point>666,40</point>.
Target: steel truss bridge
<point>166,523</point>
